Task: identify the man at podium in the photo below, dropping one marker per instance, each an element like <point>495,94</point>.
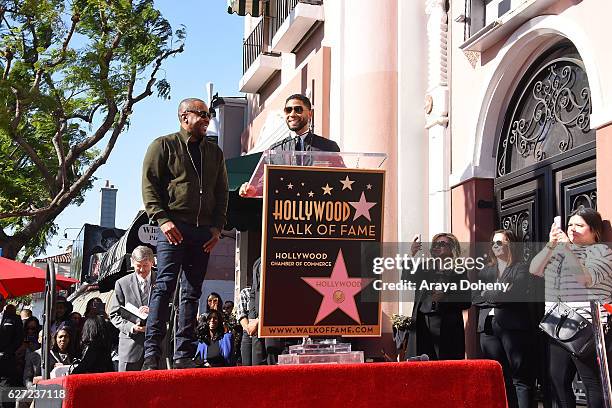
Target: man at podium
<point>298,116</point>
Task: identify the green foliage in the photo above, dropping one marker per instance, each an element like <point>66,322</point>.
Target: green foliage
<point>70,73</point>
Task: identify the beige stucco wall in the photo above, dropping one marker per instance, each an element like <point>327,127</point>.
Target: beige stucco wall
<point>311,73</point>
<point>480,91</point>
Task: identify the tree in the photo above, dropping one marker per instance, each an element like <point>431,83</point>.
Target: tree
<point>71,73</point>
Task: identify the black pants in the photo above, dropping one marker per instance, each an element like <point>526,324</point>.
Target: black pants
<point>562,370</point>
<point>436,342</point>
<point>511,348</point>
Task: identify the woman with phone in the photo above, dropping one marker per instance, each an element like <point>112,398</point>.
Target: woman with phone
<point>438,316</point>
<point>504,325</point>
<point>576,268</point>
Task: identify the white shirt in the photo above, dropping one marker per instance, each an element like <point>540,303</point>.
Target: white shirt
<point>302,137</point>
<point>141,282</point>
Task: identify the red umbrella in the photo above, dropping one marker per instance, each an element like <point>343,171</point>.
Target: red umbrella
<point>18,279</point>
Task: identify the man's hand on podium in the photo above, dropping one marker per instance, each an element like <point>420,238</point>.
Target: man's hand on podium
<point>247,190</point>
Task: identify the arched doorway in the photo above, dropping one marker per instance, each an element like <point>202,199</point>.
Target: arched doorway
<point>545,163</point>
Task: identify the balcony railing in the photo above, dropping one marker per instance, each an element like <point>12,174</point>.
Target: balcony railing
<point>283,9</point>
<point>253,46</point>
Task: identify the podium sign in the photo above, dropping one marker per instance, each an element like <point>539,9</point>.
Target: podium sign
<point>313,280</point>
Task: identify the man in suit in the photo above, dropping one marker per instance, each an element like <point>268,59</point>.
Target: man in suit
<point>298,116</point>
<point>134,288</point>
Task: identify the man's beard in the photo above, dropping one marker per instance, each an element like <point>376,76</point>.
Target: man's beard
<point>297,126</point>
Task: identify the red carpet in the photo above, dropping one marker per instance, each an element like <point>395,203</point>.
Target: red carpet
<point>447,384</point>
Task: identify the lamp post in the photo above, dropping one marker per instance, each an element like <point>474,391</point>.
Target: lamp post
<point>64,239</point>
<point>70,228</point>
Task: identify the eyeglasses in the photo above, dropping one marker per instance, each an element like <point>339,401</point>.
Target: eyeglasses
<point>441,244</point>
<point>298,109</point>
<point>201,113</point>
<point>498,243</point>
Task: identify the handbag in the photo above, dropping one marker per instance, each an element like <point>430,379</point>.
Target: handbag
<point>569,329</point>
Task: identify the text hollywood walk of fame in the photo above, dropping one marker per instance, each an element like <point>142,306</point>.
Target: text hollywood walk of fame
<point>309,213</point>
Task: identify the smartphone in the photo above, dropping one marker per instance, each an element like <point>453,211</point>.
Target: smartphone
<point>557,221</point>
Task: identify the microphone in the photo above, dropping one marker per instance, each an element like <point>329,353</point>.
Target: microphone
<point>422,357</point>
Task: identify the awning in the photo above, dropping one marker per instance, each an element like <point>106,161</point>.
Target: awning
<point>240,169</point>
<point>244,7</point>
<point>116,261</point>
<point>242,213</point>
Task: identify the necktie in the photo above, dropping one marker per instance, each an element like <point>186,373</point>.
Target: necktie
<point>144,296</point>
<point>298,144</point>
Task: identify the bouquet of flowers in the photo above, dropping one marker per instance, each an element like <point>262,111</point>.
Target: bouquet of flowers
<point>401,322</point>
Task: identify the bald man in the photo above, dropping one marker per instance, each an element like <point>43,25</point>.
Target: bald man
<point>184,189</point>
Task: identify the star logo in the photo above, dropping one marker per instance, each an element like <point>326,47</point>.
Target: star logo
<point>338,291</point>
<point>290,186</point>
<point>346,183</point>
<point>369,186</point>
<point>362,207</point>
<point>327,189</point>
<point>310,194</point>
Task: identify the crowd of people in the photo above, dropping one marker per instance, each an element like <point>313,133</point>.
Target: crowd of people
<point>573,269</point>
<point>78,343</point>
<point>95,342</point>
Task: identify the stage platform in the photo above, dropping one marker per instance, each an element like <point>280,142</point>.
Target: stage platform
<point>446,384</point>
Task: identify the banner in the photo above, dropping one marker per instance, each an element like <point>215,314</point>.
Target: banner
<point>314,280</point>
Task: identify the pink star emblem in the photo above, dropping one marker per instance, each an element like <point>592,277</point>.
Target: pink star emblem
<point>362,207</point>
<point>338,291</point>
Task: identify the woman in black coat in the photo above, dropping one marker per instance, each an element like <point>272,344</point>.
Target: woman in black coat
<point>504,324</point>
<point>438,330</point>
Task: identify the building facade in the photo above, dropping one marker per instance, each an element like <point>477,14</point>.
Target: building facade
<point>492,113</point>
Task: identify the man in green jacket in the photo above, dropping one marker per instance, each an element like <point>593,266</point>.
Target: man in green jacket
<point>184,190</point>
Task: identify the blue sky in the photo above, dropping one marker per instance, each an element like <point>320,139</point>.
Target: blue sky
<point>213,53</point>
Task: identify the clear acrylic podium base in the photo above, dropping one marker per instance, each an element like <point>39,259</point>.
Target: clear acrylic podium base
<point>327,351</point>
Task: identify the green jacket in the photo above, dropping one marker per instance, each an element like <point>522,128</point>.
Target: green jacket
<point>171,189</point>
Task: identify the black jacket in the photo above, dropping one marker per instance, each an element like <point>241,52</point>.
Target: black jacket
<point>446,323</point>
<point>96,359</point>
<point>510,313</point>
<point>171,188</point>
<point>312,142</point>
<point>11,336</point>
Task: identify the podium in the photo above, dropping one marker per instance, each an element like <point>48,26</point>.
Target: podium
<point>319,209</point>
<point>348,160</point>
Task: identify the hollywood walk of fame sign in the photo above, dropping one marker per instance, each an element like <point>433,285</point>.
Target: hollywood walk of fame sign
<point>315,281</point>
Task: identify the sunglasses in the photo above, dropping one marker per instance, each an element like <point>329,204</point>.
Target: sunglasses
<point>298,109</point>
<point>441,244</point>
<point>498,243</point>
<point>201,113</point>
